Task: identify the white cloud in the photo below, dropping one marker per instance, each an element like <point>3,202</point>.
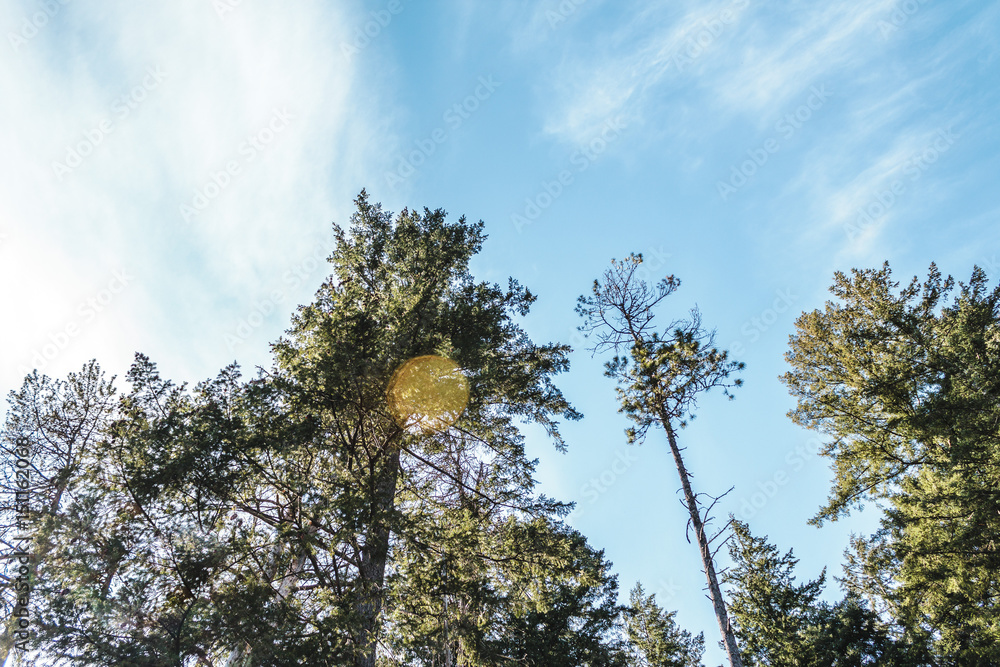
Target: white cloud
<point>819,40</point>
<point>614,75</point>
<point>220,80</point>
<point>651,64</point>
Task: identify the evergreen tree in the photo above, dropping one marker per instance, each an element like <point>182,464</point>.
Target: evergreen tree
<point>654,638</point>
<point>490,591</point>
<point>906,383</point>
<point>54,427</point>
<point>400,290</point>
<point>126,565</point>
<point>771,612</point>
<point>564,610</point>
<point>780,622</point>
<point>325,512</point>
<point>658,383</point>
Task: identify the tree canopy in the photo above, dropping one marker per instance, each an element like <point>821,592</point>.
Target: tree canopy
<point>782,622</point>
<point>366,500</point>
<point>906,383</point>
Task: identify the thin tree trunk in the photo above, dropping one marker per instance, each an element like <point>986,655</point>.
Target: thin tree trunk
<point>238,656</point>
<point>447,643</point>
<point>715,593</point>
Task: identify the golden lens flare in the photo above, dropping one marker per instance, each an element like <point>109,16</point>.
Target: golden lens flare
<point>427,394</point>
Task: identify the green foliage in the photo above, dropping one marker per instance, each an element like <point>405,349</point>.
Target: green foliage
<point>662,374</point>
<point>771,612</point>
<point>290,519</point>
<point>654,638</point>
<point>566,610</point>
<point>907,383</point>
<point>780,622</point>
<point>499,589</point>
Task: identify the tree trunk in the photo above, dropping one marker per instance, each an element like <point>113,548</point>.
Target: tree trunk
<point>447,642</point>
<point>238,656</point>
<point>374,556</point>
<point>715,593</point>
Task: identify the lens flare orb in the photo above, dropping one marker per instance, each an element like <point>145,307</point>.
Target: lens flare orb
<point>427,394</point>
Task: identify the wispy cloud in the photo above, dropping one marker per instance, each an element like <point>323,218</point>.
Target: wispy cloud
<point>772,62</point>
<point>80,91</point>
<point>733,54</point>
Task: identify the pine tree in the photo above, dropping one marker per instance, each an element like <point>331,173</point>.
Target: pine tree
<point>771,612</point>
<point>906,383</point>
<point>654,638</point>
<point>325,512</point>
<point>658,383</point>
<point>125,564</point>
<point>781,622</point>
<point>52,426</point>
<point>400,290</point>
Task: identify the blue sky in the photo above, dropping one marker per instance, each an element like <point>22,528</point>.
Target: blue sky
<point>170,173</point>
